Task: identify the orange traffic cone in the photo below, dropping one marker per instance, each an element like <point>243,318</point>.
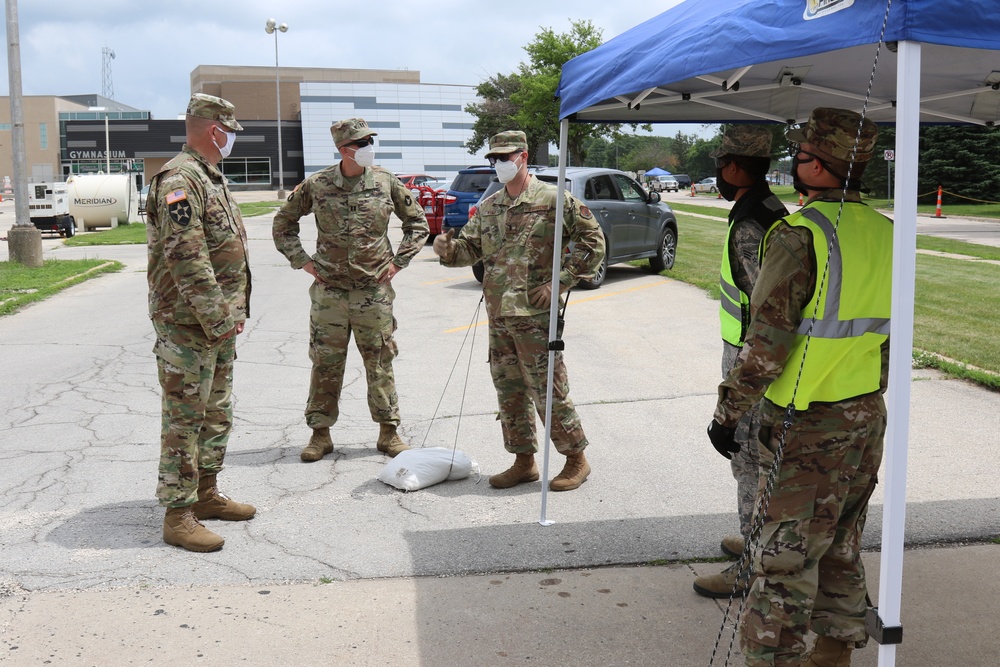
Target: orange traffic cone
<point>800,199</point>
<point>937,211</point>
<point>692,191</point>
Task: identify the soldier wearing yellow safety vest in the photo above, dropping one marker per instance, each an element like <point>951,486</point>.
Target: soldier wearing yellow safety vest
<point>817,351</point>
<point>741,164</point>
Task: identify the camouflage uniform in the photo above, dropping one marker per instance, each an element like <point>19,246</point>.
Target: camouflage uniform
<point>809,562</point>
<point>514,239</point>
<point>352,251</point>
<point>199,290</point>
<point>751,217</point>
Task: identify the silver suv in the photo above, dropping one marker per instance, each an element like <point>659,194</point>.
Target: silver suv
<point>636,225</point>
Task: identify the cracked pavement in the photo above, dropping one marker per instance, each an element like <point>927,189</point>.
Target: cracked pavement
<point>80,427</point>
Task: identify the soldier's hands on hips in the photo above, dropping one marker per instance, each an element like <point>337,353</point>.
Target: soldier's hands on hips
<point>310,268</point>
<point>541,296</point>
<point>443,244</point>
<point>723,439</point>
<point>387,275</point>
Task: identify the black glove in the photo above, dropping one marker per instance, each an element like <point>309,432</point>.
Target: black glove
<point>723,439</point>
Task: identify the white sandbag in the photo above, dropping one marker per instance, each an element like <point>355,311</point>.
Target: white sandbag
<point>419,468</point>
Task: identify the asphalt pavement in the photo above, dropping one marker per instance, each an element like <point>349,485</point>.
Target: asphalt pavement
<point>338,568</point>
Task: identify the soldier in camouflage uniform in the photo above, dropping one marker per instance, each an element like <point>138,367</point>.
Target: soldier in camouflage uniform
<point>810,574</point>
<point>742,161</point>
<point>512,233</point>
<point>199,297</point>
<point>352,267</point>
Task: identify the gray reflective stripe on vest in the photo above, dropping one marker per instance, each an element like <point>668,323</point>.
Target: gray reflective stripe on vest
<point>831,326</point>
<point>728,305</point>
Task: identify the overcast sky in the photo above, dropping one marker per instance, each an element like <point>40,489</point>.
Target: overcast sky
<point>158,44</point>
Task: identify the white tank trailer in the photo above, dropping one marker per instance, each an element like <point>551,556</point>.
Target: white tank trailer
<point>102,200</point>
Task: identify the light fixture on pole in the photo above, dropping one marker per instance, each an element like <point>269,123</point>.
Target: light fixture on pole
<point>272,27</point>
<point>107,136</point>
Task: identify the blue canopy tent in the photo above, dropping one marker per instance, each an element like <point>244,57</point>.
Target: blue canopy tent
<point>737,61</point>
<point>656,171</point>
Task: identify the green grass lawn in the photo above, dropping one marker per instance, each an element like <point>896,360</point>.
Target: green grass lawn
<point>955,299</point>
<point>20,285</point>
<point>121,235</point>
<point>135,233</point>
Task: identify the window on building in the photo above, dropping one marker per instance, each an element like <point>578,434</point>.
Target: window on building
<point>43,135</point>
<point>247,170</point>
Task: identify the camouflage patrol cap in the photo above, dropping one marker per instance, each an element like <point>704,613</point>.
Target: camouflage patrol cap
<point>351,129</point>
<point>833,132</point>
<point>508,142</point>
<point>213,108</point>
<point>745,140</point>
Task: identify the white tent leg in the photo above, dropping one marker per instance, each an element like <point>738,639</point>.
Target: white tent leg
<point>901,337</point>
<point>554,312</point>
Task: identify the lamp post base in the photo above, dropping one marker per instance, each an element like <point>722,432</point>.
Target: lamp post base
<point>24,245</point>
<point>281,194</point>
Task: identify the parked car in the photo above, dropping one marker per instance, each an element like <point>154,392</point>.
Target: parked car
<point>706,185</point>
<point>413,180</point>
<point>636,225</point>
<point>683,181</point>
<point>466,189</point>
<point>663,183</point>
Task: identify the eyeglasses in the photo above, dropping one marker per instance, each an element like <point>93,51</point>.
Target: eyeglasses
<point>493,159</point>
<point>361,143</point>
<point>722,162</point>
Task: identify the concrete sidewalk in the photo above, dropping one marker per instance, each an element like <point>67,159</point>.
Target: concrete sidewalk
<point>589,617</point>
<point>338,568</point>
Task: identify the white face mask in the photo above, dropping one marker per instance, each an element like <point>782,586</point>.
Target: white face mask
<point>228,148</point>
<point>365,157</point>
<point>506,171</point>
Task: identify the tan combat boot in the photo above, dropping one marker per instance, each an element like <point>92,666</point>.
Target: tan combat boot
<point>389,441</point>
<point>524,470</point>
<point>215,505</point>
<point>573,474</point>
<point>829,652</point>
<point>182,529</point>
<point>319,445</point>
<point>722,585</point>
<point>732,546</point>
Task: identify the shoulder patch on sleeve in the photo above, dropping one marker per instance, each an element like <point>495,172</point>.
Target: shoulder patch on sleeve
<point>180,211</point>
<point>176,196</point>
<point>585,213</point>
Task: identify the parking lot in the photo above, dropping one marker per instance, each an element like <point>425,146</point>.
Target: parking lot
<point>80,438</point>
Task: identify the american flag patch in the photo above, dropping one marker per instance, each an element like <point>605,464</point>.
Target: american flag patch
<point>176,196</point>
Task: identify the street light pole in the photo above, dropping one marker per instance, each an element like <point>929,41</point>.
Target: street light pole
<point>24,241</point>
<point>272,27</point>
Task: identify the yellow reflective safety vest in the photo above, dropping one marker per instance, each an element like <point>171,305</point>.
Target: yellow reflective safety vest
<point>847,320</point>
<point>734,304</point>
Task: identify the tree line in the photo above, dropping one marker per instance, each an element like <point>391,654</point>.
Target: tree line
<point>961,158</point>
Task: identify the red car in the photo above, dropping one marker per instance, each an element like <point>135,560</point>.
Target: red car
<point>413,180</point>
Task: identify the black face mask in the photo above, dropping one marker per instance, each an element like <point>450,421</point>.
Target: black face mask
<point>801,186</point>
<point>726,189</point>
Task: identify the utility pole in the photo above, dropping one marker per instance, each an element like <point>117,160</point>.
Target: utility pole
<point>24,241</point>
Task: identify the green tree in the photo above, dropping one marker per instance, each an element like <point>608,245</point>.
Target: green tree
<point>496,112</point>
<point>538,113</point>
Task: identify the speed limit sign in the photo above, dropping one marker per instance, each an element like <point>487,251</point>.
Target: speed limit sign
<point>890,155</point>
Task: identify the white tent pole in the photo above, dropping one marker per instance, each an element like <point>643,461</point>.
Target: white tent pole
<point>901,336</point>
<point>554,310</point>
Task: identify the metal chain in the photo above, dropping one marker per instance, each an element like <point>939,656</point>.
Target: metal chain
<point>745,562</point>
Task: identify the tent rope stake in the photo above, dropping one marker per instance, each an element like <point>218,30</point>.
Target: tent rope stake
<point>873,624</point>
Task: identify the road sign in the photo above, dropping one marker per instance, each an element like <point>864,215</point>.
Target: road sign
<point>889,155</point>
